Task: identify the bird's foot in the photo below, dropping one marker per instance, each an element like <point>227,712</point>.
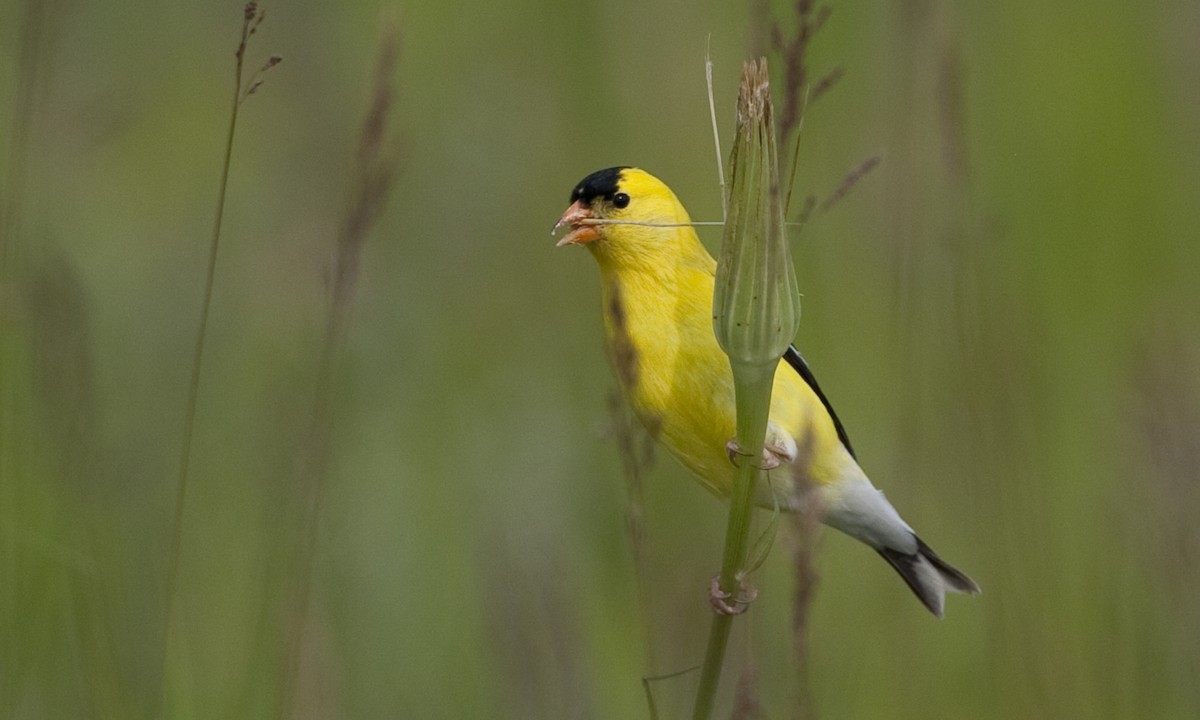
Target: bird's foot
<point>774,453</point>
<point>720,600</point>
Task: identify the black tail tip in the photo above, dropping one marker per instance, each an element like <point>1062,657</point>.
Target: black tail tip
<point>955,579</point>
<point>929,576</point>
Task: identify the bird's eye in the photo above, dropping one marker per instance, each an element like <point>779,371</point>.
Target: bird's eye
<point>621,200</point>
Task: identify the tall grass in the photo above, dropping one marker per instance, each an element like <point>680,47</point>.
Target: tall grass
<point>1001,312</point>
<point>252,18</point>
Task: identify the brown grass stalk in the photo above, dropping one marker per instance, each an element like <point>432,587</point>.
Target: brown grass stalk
<point>805,530</point>
<point>1165,414</point>
<point>375,165</point>
<point>637,455</point>
<point>745,696</point>
<point>636,449</point>
<point>849,181</point>
<point>794,50</point>
<point>799,91</point>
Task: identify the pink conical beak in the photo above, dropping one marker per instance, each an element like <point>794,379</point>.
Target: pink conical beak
<point>581,231</point>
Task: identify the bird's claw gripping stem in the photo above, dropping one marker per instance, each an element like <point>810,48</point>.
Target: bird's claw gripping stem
<point>772,455</point>
<point>720,600</point>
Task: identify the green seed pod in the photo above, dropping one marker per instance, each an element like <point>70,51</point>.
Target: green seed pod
<point>756,306</point>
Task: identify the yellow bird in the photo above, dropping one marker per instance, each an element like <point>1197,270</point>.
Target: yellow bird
<point>657,284</point>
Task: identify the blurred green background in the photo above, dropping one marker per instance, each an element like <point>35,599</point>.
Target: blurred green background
<point>1005,314</point>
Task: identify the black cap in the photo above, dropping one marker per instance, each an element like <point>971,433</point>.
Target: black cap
<point>602,183</point>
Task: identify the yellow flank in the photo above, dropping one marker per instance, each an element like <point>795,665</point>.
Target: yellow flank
<point>658,296</point>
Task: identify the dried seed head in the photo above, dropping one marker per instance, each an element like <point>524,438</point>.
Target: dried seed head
<point>754,95</point>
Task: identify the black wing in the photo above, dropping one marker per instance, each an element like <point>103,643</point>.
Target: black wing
<point>794,359</point>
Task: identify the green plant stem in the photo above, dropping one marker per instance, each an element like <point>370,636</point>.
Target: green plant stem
<point>752,384</point>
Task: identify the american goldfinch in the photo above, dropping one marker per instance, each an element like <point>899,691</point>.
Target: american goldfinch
<point>657,286</point>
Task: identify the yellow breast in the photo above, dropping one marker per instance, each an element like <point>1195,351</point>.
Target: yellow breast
<point>677,378</point>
